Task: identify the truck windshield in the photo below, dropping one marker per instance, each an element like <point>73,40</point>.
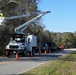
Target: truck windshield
<point>18,38</point>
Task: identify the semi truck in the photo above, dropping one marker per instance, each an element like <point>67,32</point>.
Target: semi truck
<point>20,42</point>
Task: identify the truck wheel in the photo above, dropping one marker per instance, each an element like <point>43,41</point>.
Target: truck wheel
<point>33,52</point>
<point>8,54</point>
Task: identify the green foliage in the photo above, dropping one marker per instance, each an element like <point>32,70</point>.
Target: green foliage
<point>68,39</point>
<point>17,7</point>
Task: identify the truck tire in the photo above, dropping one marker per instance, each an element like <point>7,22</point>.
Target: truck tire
<point>8,54</point>
<point>33,52</point>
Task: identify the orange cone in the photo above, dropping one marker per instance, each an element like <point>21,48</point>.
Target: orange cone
<point>45,52</point>
<point>16,55</point>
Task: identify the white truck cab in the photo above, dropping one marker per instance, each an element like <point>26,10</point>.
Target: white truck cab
<point>21,43</point>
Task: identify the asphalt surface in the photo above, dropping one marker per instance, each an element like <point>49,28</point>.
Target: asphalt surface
<point>11,66</point>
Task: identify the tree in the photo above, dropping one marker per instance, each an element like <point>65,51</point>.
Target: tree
<point>68,39</point>
<point>17,7</point>
<point>75,38</point>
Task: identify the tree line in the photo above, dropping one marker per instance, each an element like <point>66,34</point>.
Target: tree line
<point>19,7</point>
<point>67,39</point>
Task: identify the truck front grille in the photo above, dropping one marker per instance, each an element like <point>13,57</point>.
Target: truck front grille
<point>13,47</point>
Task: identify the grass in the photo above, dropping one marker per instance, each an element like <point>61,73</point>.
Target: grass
<point>65,65</point>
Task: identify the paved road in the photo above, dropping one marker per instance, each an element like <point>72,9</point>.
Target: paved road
<point>12,66</point>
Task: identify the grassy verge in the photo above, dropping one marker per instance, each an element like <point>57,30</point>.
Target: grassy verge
<point>65,65</point>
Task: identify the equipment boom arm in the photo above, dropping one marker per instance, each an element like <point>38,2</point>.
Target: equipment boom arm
<point>15,17</point>
<point>26,24</point>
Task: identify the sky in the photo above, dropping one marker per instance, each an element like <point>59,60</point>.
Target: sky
<point>62,17</point>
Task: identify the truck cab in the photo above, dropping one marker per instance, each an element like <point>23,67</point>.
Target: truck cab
<point>16,43</point>
<point>21,44</point>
